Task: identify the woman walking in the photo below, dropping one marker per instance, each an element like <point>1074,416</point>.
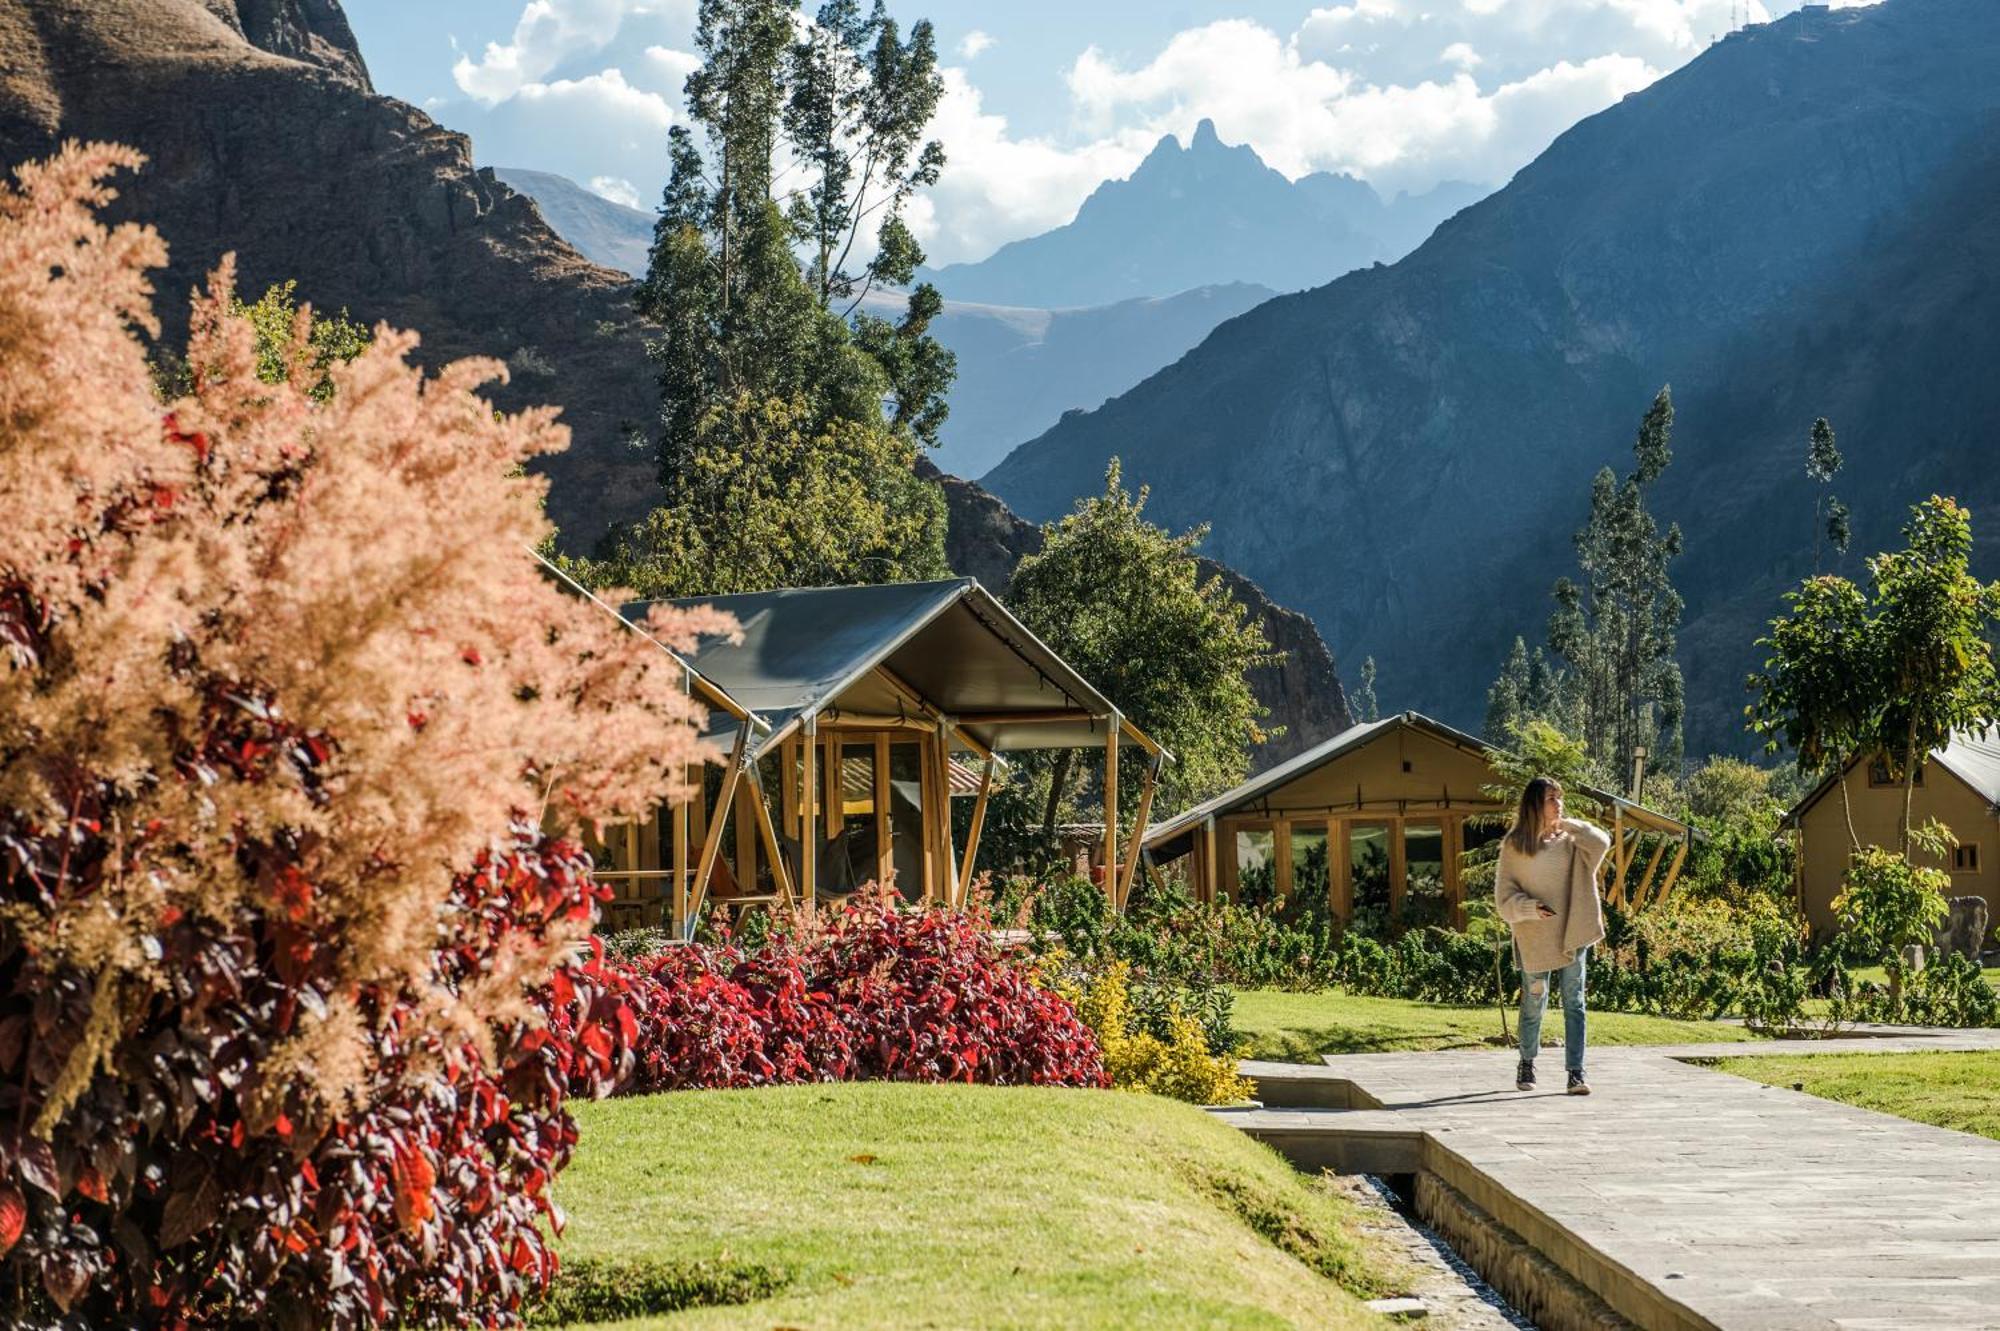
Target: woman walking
<point>1546,890</point>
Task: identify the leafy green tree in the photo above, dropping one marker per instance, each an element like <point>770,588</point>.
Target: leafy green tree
<point>1121,599</point>
<point>809,131</point>
<point>328,340</point>
<point>1896,672</point>
<point>1616,630</point>
<point>1365,707</point>
<point>1528,689</point>
<point>1830,517</point>
<point>1887,903</point>
<point>768,499</point>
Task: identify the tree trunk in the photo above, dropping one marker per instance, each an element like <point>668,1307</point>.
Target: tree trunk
<point>1058,787</point>
<point>1909,783</point>
<point>1847,808</point>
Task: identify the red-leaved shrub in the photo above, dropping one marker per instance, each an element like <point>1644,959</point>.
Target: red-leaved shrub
<point>871,991</point>
<point>276,941</point>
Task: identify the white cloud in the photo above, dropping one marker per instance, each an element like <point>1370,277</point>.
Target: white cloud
<point>974,42</point>
<point>1461,55</point>
<point>615,188</point>
<point>550,32</point>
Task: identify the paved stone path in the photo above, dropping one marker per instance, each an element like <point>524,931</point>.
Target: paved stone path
<point>1747,1206</point>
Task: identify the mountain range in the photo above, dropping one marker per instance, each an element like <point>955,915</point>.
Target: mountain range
<point>1202,214</point>
<point>1803,220</point>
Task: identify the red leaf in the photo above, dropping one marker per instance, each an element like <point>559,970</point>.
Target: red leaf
<point>13,1216</point>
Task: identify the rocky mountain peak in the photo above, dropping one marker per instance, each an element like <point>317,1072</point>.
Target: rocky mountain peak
<point>315,31</point>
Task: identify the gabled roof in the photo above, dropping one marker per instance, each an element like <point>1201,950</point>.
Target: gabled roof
<point>810,651</point>
<point>1972,757</point>
<point>1258,788</point>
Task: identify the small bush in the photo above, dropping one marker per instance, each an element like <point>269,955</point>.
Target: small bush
<point>1177,1064</point>
<point>594,1291</point>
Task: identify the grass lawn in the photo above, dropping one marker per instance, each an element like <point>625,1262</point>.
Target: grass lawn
<point>957,1206</point>
<point>1299,1028</point>
<point>1951,1090</point>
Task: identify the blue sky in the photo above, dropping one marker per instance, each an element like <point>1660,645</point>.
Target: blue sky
<point>1047,99</point>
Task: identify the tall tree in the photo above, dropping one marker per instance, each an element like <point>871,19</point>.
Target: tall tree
<point>1122,600</point>
<point>1616,630</point>
<point>1896,673</point>
<point>807,131</point>
<point>1366,707</point>
<point>1830,516</point>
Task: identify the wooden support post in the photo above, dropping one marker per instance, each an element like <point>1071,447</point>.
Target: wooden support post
<point>781,877</point>
<point>1281,861</point>
<point>712,843</point>
<point>885,845</point>
<point>1615,889</point>
<point>1138,833</point>
<point>1340,882</point>
<point>809,814</point>
<point>1209,882</point>
<point>1673,871</point>
<point>788,784</point>
<point>947,853</point>
<point>833,788</point>
<point>745,823</point>
<point>680,881</point>
<point>966,870</point>
<point>1399,868</point>
<point>1111,811</point>
<point>1652,867</point>
<point>1454,883</point>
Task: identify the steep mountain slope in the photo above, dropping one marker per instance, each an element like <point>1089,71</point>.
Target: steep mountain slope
<point>1202,215</point>
<point>1018,369</point>
<point>1302,693</point>
<point>1404,452</point>
<point>265,138</point>
<point>603,230</point>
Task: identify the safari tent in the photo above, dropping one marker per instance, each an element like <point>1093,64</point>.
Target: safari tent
<point>851,717</point>
<point>1377,818</point>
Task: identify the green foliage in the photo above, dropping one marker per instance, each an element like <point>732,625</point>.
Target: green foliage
<point>1528,689</point>
<point>1886,903</point>
<point>780,463</point>
<point>1739,855</point>
<point>1121,600</point>
<point>768,499</point>
<point>325,341</point>
<point>1829,514</point>
<point>1615,631</point>
<point>1177,1063</point>
<point>1896,672</point>
<point>1365,707</point>
<point>588,1290</point>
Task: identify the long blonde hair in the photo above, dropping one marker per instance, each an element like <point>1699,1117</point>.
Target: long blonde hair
<point>1526,833</point>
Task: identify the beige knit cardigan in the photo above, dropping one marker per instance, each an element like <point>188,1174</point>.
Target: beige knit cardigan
<point>1562,875</point>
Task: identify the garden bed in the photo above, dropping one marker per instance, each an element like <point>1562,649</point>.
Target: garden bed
<point>881,1204</point>
<point>1303,1027</point>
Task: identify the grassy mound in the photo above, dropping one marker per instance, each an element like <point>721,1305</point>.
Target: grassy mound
<point>1949,1090</point>
<point>890,1205</point>
<point>1300,1028</point>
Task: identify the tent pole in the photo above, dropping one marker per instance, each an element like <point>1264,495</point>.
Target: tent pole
<point>809,816</point>
<point>712,843</point>
<point>1111,811</point>
<point>972,835</point>
<point>1138,833</point>
<point>680,886</point>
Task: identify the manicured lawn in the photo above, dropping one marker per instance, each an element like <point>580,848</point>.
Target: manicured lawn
<point>894,1205</point>
<point>1299,1028</point>
<point>1951,1090</point>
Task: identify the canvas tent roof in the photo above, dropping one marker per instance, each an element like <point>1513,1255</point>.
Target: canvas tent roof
<point>1163,838</point>
<point>807,652</point>
<point>1972,757</point>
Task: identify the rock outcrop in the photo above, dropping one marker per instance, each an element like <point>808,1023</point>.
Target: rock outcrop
<point>1302,692</point>
<point>264,137</point>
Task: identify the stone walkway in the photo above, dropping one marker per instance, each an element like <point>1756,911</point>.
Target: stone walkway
<point>1686,1197</point>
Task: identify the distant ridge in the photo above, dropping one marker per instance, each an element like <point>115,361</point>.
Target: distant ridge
<point>1204,214</point>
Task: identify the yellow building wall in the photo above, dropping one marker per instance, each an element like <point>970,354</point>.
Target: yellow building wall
<point>1877,810</point>
<point>1438,775</point>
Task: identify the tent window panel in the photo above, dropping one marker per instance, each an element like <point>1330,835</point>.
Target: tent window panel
<point>906,817</point>
<point>1256,866</point>
<point>1424,900</point>
<point>1368,869</point>
<point>1309,863</point>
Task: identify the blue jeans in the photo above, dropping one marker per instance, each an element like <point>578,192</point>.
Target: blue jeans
<point>1535,1001</point>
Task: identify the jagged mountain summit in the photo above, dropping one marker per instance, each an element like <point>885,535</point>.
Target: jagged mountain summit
<point>1204,214</point>
<point>1797,222</point>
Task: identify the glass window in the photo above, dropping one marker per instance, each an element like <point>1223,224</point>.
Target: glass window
<point>1309,866</point>
<point>1256,866</point>
<point>851,859</point>
<point>1423,876</point>
<point>1368,870</point>
<point>1965,858</point>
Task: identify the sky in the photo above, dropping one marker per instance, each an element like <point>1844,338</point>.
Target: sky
<point>1046,99</point>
